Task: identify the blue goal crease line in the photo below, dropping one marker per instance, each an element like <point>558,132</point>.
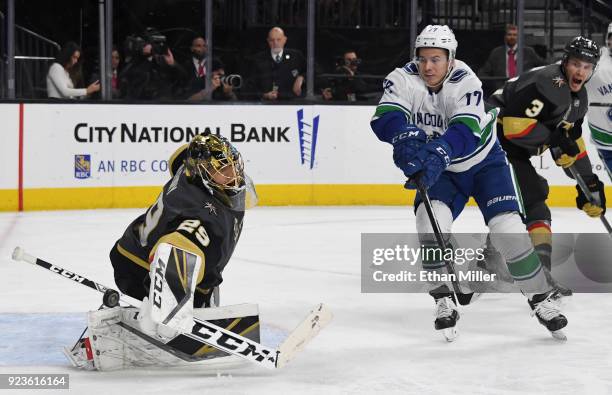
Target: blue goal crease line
<point>38,338</point>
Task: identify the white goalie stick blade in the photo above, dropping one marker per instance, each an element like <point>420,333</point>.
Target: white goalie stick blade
<point>310,327</point>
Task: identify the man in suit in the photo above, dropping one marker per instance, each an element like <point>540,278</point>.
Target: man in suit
<point>279,72</point>
<point>195,69</point>
<point>502,60</point>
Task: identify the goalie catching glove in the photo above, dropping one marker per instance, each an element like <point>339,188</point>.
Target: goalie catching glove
<point>596,188</point>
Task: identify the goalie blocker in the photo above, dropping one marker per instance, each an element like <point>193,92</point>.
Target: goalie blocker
<point>169,308</point>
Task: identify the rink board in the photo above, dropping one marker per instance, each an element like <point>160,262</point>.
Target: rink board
<point>77,156</point>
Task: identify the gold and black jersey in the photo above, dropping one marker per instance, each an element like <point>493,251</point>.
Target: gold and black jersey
<point>188,215</point>
<point>533,106</point>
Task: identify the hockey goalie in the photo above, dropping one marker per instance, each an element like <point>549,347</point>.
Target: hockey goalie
<point>172,258</point>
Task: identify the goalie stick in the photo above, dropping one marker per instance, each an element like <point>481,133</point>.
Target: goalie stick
<point>207,333</point>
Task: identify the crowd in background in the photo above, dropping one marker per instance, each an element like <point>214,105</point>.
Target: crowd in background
<point>144,68</point>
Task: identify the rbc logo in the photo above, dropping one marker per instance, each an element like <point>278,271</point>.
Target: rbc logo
<point>82,166</point>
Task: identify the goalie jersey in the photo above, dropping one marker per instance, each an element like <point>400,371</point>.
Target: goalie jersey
<point>190,217</point>
<point>459,101</point>
<point>533,106</point>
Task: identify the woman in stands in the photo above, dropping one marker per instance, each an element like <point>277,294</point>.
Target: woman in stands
<point>59,82</point>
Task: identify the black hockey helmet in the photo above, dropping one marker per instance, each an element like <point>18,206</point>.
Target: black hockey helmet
<point>581,48</point>
<point>217,162</point>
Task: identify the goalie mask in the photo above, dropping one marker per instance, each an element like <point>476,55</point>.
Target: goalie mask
<point>218,164</point>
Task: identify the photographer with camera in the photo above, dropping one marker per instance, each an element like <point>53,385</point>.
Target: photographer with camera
<point>351,87</point>
<point>222,87</point>
<point>151,73</point>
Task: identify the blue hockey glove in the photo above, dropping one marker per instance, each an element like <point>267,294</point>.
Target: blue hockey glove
<point>406,143</point>
<point>430,160</point>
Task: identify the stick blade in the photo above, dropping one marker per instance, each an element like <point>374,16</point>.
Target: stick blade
<point>307,330</point>
<point>18,254</point>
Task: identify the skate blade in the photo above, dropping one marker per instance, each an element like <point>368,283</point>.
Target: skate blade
<point>558,335</point>
<point>450,334</point>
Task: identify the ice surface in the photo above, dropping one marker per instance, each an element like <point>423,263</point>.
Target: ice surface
<point>288,259</point>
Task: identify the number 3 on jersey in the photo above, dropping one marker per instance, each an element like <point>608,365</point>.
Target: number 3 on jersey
<point>534,109</point>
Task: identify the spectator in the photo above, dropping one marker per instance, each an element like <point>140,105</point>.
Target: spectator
<point>116,69</point>
<point>278,73</point>
<point>152,74</point>
<point>502,60</point>
<point>221,90</point>
<point>351,87</point>
<point>60,84</point>
<point>194,78</point>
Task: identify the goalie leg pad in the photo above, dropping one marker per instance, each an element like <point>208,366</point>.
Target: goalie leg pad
<point>169,307</point>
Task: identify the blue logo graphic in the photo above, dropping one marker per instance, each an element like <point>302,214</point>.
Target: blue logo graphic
<point>308,138</point>
<point>82,166</point>
<point>610,114</point>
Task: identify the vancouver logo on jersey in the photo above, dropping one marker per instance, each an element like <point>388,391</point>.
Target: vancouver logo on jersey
<point>82,166</point>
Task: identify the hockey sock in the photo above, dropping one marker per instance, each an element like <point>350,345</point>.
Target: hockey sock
<point>541,237</point>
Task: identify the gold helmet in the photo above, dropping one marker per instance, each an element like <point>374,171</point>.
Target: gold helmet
<point>217,162</point>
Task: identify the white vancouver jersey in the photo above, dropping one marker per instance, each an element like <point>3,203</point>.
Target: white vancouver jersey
<point>459,100</point>
<point>599,89</point>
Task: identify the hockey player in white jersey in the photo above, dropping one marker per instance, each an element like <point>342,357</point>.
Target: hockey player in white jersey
<point>599,89</point>
<point>433,114</point>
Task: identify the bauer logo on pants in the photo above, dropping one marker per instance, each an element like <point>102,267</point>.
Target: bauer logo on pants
<point>82,166</point>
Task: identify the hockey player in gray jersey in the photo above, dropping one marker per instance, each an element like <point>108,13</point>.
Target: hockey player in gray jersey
<point>432,112</point>
<point>543,110</point>
<point>173,256</point>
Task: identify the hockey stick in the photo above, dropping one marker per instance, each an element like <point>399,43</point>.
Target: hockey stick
<point>205,332</point>
<point>600,104</point>
<point>587,192</point>
<point>437,232</point>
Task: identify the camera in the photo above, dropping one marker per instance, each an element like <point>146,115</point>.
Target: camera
<point>233,80</point>
<point>157,41</point>
<point>134,44</point>
<point>340,62</point>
